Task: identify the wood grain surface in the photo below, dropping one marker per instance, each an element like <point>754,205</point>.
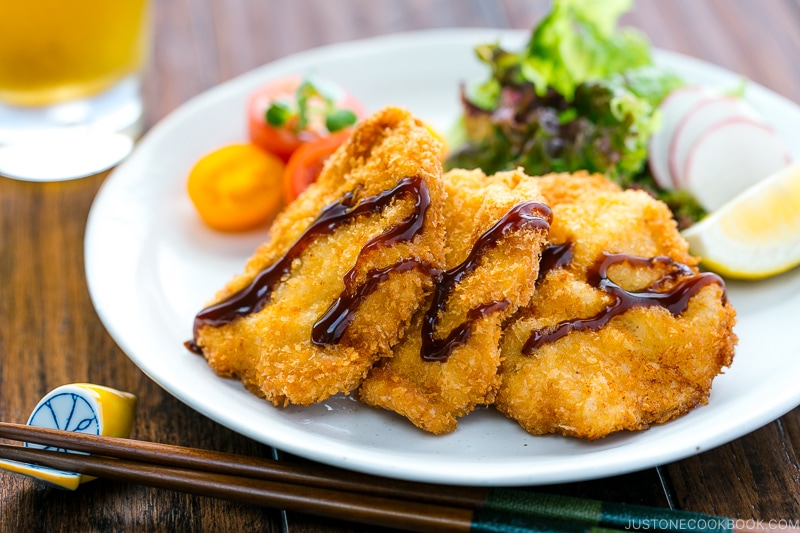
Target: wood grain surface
<point>50,333</point>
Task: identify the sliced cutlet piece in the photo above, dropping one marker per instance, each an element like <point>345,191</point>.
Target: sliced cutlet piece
<point>448,361</point>
<point>343,270</point>
<point>622,331</point>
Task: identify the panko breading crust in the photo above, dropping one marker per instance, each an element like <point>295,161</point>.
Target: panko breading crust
<point>624,367</point>
<point>433,394</point>
<point>645,366</point>
<point>270,350</point>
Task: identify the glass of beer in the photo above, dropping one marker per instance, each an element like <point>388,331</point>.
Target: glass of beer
<point>71,64</point>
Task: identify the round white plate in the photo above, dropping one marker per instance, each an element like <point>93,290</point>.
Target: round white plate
<point>151,265</point>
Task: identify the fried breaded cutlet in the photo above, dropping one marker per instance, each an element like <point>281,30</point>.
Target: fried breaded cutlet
<point>622,331</point>
<point>448,361</point>
<point>344,268</point>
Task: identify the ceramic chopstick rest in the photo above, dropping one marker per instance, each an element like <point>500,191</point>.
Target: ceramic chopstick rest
<point>82,408</point>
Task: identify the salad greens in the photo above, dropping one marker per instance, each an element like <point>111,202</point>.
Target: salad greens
<point>581,95</point>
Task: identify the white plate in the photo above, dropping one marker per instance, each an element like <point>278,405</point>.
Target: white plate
<point>151,265</point>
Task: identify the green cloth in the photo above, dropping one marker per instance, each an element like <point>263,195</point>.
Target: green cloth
<point>593,513</point>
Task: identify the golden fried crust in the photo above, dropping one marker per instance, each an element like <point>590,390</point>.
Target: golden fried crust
<point>433,394</point>
<point>566,188</point>
<point>645,366</point>
<point>271,350</point>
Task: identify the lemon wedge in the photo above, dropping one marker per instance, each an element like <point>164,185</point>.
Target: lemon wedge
<point>757,233</point>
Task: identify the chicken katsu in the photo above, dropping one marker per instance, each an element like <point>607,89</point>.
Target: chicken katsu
<point>623,331</point>
<point>343,270</point>
<point>448,361</point>
<point>572,306</point>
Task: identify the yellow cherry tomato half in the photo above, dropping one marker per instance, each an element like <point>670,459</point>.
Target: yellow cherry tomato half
<point>237,187</point>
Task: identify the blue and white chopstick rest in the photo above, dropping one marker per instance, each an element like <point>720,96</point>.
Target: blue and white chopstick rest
<point>82,408</point>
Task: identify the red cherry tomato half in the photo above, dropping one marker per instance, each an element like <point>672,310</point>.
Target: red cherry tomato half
<point>307,161</point>
<point>282,141</point>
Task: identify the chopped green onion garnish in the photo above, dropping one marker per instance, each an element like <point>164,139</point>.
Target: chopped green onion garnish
<point>339,119</point>
<point>278,114</point>
<point>300,113</point>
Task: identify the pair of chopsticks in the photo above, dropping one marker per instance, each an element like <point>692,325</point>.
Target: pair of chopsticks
<point>339,494</point>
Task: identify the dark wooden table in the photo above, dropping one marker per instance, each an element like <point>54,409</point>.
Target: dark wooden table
<point>50,333</point>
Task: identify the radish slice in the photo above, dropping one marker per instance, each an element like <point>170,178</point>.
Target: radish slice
<point>731,156</point>
<point>702,116</point>
<point>672,110</point>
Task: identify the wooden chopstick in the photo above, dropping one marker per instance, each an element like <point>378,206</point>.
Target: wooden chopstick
<point>240,465</point>
<point>364,498</point>
<point>311,500</point>
<point>354,507</point>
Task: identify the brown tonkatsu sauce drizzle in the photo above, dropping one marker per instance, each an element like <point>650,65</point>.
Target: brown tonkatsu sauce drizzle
<point>525,215</point>
<point>331,327</point>
<point>255,296</point>
<point>675,300</point>
<point>554,256</point>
